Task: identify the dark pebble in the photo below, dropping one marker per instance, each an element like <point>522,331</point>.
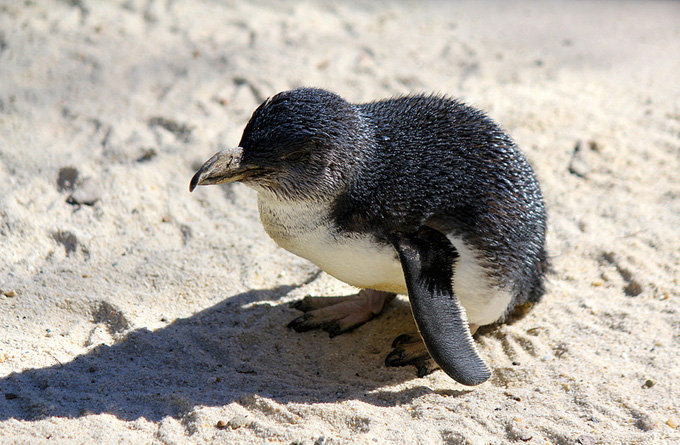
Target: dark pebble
<point>578,165</point>
<point>66,239</point>
<point>147,155</point>
<point>10,396</point>
<point>66,181</point>
<point>633,289</point>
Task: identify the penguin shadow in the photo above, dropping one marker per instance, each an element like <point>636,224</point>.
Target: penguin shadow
<point>238,350</point>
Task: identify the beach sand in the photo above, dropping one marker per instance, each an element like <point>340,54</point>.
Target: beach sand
<point>132,311</point>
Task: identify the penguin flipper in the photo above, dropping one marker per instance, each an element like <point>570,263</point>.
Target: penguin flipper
<point>427,260</point>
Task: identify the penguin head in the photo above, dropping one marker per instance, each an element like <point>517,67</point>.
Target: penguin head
<point>299,144</point>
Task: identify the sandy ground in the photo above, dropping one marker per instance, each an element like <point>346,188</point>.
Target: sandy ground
<point>153,314</point>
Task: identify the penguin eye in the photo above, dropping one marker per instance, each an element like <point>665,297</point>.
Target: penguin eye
<point>294,156</point>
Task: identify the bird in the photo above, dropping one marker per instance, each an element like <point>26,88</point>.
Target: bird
<point>421,195</point>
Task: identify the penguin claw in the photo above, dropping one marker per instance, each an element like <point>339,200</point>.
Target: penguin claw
<point>297,305</point>
<point>395,358</point>
<point>409,349</point>
<point>310,321</point>
<point>337,315</point>
<point>404,339</point>
<point>426,367</point>
<point>335,329</point>
<point>310,303</point>
<point>300,324</point>
<point>307,322</point>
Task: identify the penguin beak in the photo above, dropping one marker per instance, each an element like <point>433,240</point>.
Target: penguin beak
<point>224,166</point>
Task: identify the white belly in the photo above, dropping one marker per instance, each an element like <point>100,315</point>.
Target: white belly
<point>483,301</point>
<point>303,228</point>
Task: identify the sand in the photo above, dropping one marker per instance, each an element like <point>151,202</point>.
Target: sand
<point>132,311</point>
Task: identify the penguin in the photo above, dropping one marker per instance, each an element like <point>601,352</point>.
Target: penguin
<point>420,195</point>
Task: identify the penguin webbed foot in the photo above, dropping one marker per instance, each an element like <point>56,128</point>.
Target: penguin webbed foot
<point>337,315</point>
<point>409,349</point>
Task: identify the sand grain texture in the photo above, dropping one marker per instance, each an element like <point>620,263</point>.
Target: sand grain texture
<point>134,312</point>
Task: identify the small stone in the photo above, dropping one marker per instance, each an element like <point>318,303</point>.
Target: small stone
<point>10,396</point>
<point>147,155</point>
<point>536,331</point>
<point>10,293</point>
<point>672,422</point>
<point>608,257</point>
<point>648,383</point>
<point>644,422</point>
<point>633,289</point>
<point>66,239</point>
<point>512,396</point>
<point>594,146</point>
<point>67,178</point>
<point>221,424</point>
<point>560,350</point>
<point>516,430</point>
<point>585,440</point>
<point>92,369</point>
<point>238,421</point>
<point>109,315</point>
<point>578,165</point>
<point>87,193</point>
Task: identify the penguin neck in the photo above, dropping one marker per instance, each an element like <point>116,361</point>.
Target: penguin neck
<point>289,221</point>
<point>298,196</point>
<point>275,199</point>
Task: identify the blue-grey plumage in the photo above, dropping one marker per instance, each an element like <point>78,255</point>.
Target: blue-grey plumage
<point>420,194</point>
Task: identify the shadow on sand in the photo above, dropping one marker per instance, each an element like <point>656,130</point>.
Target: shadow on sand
<point>234,349</point>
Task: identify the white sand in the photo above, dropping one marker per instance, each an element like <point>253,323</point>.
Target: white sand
<point>155,313</point>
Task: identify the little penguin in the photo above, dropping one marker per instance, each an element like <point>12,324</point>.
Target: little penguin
<point>419,195</point>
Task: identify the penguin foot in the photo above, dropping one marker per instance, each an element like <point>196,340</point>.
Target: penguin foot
<point>409,349</point>
<point>336,315</point>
